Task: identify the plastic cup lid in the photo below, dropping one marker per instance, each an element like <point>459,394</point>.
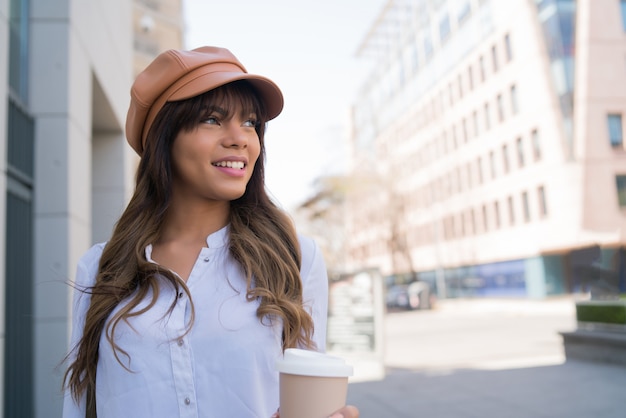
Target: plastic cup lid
<point>312,363</point>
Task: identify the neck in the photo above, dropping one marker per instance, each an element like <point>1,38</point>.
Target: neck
<point>193,221</point>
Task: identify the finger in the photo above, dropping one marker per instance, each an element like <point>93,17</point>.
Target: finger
<point>346,412</point>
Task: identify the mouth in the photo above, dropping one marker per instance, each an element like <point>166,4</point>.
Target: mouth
<point>238,165</point>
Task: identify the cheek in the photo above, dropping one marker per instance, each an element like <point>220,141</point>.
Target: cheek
<point>255,151</point>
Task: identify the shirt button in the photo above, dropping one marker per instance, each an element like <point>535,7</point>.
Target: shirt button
<point>206,259</point>
<point>180,295</point>
<point>181,342</point>
<point>187,401</point>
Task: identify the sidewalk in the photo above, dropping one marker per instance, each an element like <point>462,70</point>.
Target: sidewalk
<point>573,390</point>
<point>488,359</point>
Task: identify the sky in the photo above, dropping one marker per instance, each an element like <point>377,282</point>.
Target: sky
<point>309,49</point>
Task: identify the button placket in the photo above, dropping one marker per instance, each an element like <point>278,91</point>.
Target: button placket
<point>181,360</point>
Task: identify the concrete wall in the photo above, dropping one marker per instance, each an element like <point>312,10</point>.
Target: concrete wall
<point>81,65</point>
<point>600,90</point>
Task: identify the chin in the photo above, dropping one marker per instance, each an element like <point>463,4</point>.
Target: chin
<point>235,196</point>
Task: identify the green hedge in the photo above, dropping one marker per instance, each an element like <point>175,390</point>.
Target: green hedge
<point>605,312</point>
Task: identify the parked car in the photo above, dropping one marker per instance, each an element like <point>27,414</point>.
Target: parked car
<point>416,295</point>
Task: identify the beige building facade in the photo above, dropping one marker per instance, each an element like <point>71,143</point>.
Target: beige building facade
<point>489,146</point>
<point>67,171</point>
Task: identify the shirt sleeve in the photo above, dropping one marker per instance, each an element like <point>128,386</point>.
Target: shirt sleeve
<point>315,289</point>
<point>86,272</point>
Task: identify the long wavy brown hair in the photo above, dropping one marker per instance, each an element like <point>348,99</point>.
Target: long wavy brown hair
<point>262,240</point>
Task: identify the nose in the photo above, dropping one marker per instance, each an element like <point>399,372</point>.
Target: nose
<point>237,136</point>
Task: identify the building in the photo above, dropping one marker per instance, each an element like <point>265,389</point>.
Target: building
<point>489,146</point>
<point>67,171</point>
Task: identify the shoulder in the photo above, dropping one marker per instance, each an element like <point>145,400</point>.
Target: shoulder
<point>308,246</point>
<point>312,258</point>
<point>88,265</point>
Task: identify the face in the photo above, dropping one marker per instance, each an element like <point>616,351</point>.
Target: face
<point>215,161</point>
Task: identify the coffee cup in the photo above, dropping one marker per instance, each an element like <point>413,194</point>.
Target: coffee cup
<point>312,384</point>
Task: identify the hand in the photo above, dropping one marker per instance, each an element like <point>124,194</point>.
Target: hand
<point>345,412</point>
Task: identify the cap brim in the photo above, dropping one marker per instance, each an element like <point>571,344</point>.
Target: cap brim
<point>267,90</point>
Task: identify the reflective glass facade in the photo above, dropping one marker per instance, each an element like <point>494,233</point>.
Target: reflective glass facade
<point>557,18</point>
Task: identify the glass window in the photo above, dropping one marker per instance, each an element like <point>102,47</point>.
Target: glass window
<point>460,82</point>
<point>464,11</point>
<point>505,158</point>
<point>541,197</point>
<point>520,152</point>
<point>415,62</point>
<point>511,210</point>
<point>472,221</point>
<point>18,48</point>
<point>400,74</point>
<point>464,123</point>
<point>536,144</point>
<point>470,77</point>
<point>475,119</point>
<point>507,47</point>
<point>615,130</point>
<point>526,206</point>
<point>485,219</point>
<point>481,64</point>
<point>492,164</point>
<point>500,103</point>
<point>428,47</point>
<point>487,118</point>
<point>620,181</point>
<point>496,214</point>
<point>454,140</point>
<point>464,221</point>
<point>623,10</point>
<point>479,168</point>
<point>514,104</point>
<point>494,58</point>
<point>444,28</point>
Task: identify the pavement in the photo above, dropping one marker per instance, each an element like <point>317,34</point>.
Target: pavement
<point>487,358</point>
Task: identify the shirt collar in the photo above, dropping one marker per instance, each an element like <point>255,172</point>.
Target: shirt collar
<point>217,239</point>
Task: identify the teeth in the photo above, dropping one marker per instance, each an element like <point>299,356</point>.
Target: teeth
<point>230,164</point>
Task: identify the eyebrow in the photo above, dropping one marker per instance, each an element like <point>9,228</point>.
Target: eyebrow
<point>223,112</point>
<point>217,109</point>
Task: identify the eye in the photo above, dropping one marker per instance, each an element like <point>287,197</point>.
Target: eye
<point>211,120</point>
<point>251,123</point>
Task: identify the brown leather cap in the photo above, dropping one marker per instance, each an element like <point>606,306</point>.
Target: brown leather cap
<point>177,75</point>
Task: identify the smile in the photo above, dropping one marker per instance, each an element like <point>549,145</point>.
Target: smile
<point>230,164</point>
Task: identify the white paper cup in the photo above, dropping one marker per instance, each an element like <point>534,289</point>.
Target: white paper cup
<point>312,384</point>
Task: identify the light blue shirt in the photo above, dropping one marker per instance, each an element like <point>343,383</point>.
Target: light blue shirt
<point>224,367</point>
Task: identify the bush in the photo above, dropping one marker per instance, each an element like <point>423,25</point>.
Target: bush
<point>604,312</point>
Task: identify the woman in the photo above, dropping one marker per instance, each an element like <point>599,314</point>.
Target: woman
<point>204,281</point>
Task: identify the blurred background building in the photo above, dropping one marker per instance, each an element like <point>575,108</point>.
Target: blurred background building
<point>66,169</point>
<point>488,151</point>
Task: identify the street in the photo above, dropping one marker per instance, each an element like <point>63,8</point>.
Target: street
<point>487,358</point>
